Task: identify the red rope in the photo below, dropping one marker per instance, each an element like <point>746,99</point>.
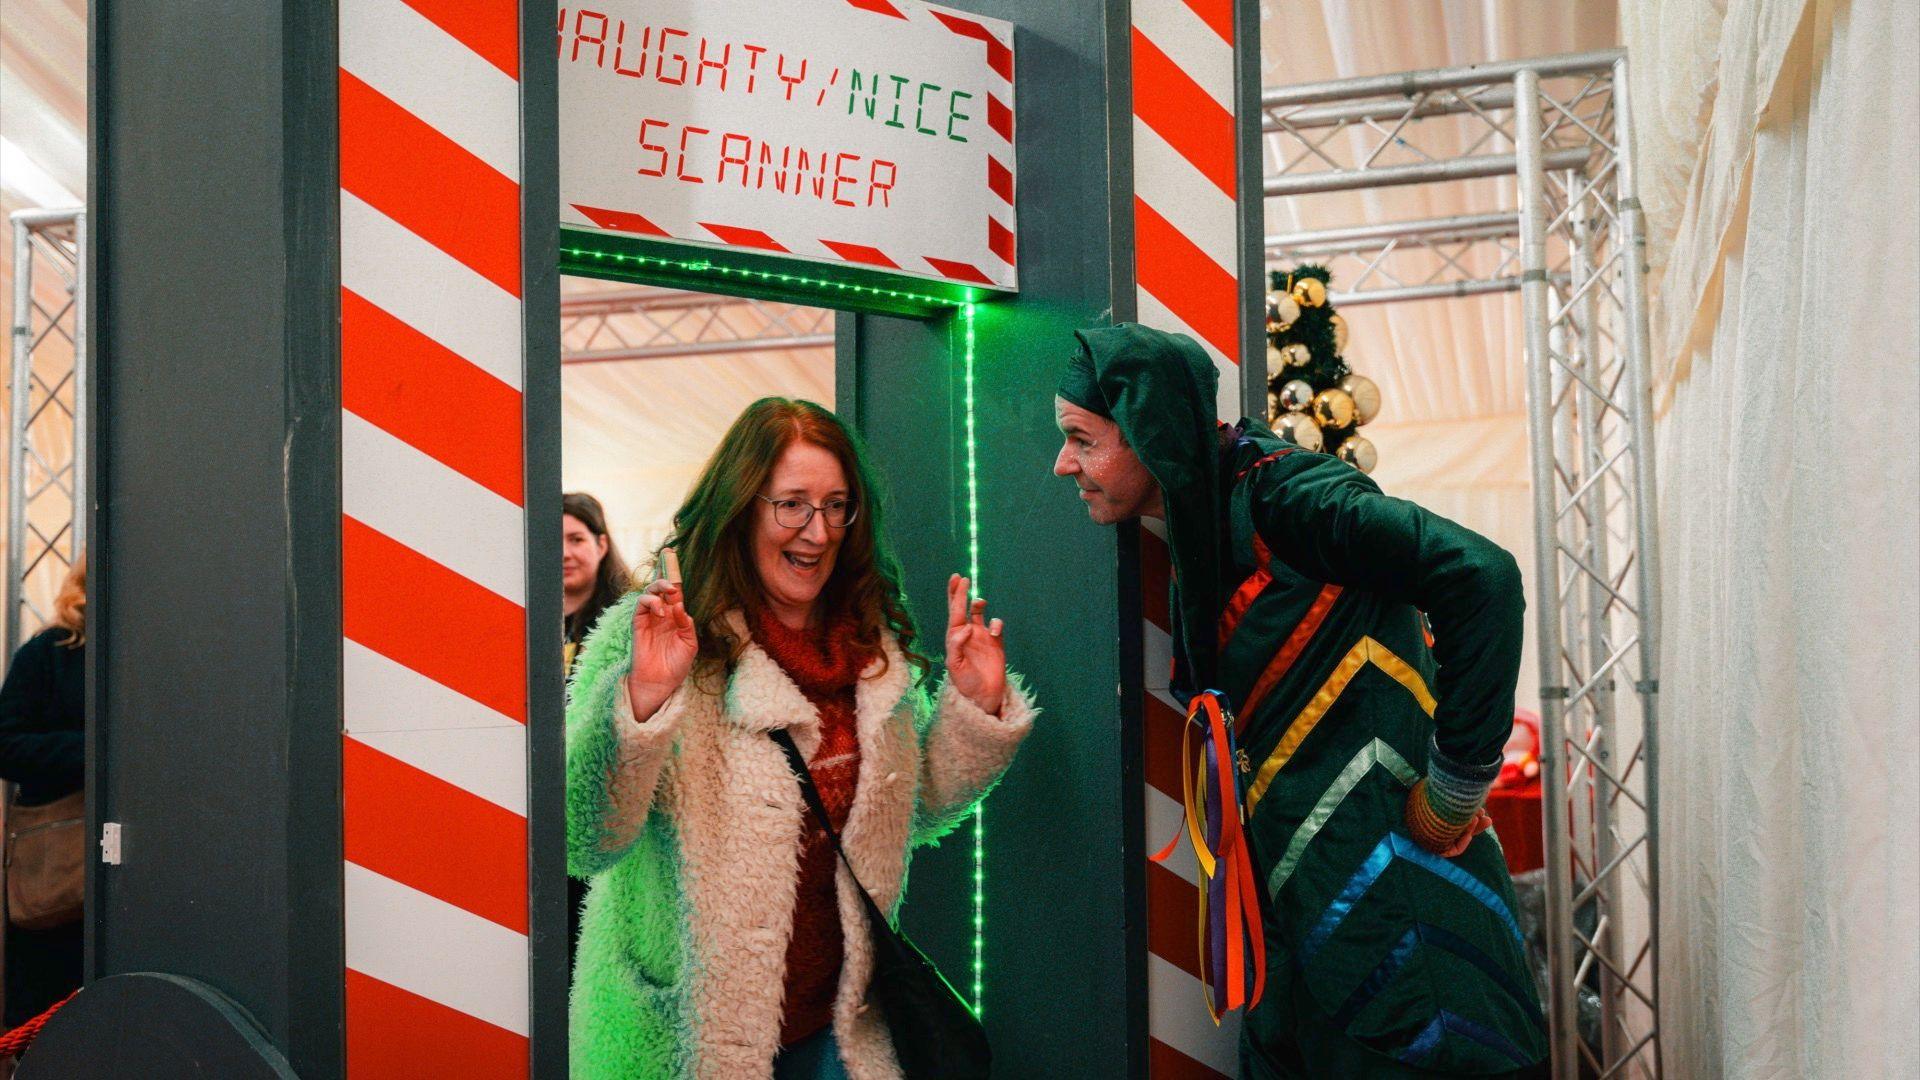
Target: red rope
<point>15,1042</point>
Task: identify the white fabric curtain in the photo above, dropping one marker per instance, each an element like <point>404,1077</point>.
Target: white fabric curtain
<point>1779,150</point>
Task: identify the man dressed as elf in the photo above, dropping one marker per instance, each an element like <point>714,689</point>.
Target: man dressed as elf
<point>1380,937</point>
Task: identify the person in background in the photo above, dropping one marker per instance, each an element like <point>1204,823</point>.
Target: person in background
<point>592,577</point>
<point>43,719</point>
<point>592,573</point>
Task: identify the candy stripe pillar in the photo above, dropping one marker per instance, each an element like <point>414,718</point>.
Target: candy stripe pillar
<point>433,550</point>
<point>1190,275</point>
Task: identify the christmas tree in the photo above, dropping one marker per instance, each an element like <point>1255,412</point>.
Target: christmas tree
<point>1313,398</point>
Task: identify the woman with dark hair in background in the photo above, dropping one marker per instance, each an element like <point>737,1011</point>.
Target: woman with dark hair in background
<point>592,577</point>
<point>43,719</point>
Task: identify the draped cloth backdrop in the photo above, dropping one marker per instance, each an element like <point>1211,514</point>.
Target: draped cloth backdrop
<point>1779,148</point>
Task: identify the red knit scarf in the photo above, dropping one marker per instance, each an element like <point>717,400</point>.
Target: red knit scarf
<point>825,664</point>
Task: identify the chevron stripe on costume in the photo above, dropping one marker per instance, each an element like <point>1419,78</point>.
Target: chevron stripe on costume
<point>1374,753</point>
<point>1394,846</point>
<point>1365,651</point>
<point>1436,937</point>
<point>1445,1023</point>
<point>1290,650</point>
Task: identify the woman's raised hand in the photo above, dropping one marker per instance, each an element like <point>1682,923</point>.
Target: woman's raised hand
<point>976,654</point>
<point>664,645</point>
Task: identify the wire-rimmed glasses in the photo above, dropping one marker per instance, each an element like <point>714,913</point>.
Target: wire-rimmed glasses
<point>796,513</point>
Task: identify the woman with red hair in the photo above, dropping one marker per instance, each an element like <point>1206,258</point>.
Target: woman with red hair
<point>720,937</point>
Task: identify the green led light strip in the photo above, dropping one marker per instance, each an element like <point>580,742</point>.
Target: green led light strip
<point>973,572</point>
<point>770,277</point>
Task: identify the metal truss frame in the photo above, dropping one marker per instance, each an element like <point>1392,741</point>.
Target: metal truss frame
<point>1376,132</point>
<point>1559,129</point>
<point>646,323</point>
<point>46,497</point>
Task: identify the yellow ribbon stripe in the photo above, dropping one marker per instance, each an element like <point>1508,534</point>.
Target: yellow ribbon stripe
<point>1365,651</point>
<point>1194,795</point>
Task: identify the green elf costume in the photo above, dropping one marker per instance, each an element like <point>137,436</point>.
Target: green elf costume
<point>1297,595</point>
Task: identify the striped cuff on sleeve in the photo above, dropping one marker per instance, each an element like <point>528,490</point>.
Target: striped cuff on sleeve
<point>1456,791</point>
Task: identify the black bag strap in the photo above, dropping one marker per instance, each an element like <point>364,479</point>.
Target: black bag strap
<point>819,807</point>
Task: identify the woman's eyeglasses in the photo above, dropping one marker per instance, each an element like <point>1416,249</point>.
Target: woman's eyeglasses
<point>796,513</point>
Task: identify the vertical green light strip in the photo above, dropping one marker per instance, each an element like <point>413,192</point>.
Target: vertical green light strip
<point>973,572</point>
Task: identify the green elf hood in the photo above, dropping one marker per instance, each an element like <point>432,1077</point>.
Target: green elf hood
<point>1161,389</point>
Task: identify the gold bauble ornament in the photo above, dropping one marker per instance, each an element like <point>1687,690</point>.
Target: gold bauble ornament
<point>1281,312</point>
<point>1299,429</point>
<point>1365,394</point>
<point>1297,355</point>
<point>1334,409</point>
<point>1358,451</point>
<point>1289,309</point>
<point>1295,395</point>
<point>1310,292</point>
<point>1339,333</point>
<point>1276,362</point>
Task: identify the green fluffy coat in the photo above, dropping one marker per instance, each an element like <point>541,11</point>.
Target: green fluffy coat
<point>689,827</point>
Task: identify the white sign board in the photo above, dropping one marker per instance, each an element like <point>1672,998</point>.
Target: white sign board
<point>876,133</point>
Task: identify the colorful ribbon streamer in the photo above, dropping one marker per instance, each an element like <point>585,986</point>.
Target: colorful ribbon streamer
<point>1233,951</point>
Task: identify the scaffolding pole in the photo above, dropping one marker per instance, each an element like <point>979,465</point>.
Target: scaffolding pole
<point>1304,117</point>
<point>1640,398</point>
<point>1365,237</point>
<point>1420,172</point>
<point>46,459</point>
<point>1410,83</point>
<point>1540,395</point>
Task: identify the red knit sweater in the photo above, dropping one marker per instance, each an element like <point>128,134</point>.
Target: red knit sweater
<point>826,666</point>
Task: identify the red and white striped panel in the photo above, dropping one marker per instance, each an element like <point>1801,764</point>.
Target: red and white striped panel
<point>992,35</point>
<point>433,555</point>
<point>1186,259</point>
<point>1186,221</point>
<point>1184,1042</point>
<point>1000,224</point>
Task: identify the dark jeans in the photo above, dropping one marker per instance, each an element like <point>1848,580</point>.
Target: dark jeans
<point>43,966</point>
<point>576,896</point>
<point>816,1057</point>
